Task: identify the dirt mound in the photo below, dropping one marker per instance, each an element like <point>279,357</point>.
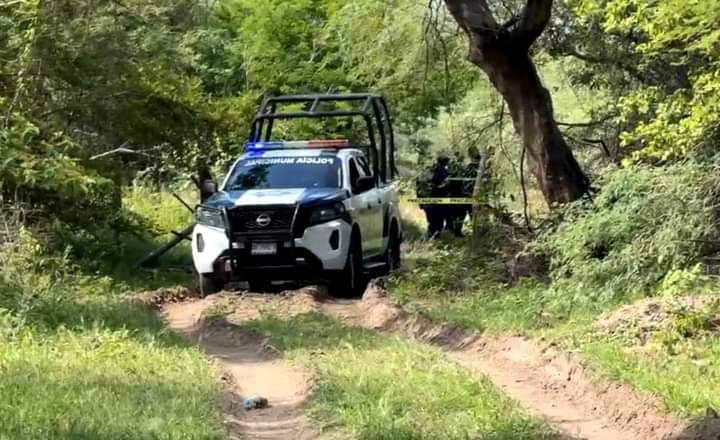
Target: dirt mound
<point>155,299</point>
<point>249,306</point>
<point>643,319</point>
<point>378,312</point>
<point>551,383</point>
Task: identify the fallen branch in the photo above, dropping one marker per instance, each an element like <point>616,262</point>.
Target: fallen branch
<point>154,256</point>
<point>177,197</point>
<point>120,150</point>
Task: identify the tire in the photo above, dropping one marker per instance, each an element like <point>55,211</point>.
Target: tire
<point>392,254</point>
<point>350,282</point>
<point>208,284</point>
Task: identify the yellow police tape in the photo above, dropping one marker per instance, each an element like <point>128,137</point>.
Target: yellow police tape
<point>442,201</point>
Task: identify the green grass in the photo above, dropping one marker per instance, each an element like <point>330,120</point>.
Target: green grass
<point>161,209</point>
<point>457,283</point>
<point>80,363</point>
<point>99,383</point>
<point>163,214</point>
<point>688,383</point>
<point>379,387</point>
<point>77,361</point>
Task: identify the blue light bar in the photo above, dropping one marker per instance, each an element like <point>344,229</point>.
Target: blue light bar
<point>282,145</point>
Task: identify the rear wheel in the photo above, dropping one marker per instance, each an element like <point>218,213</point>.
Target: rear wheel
<point>392,254</point>
<point>209,284</point>
<point>350,281</point>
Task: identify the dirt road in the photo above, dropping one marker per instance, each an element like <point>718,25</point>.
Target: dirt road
<point>549,383</point>
<point>250,369</point>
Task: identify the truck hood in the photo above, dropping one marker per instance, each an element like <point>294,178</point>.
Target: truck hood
<point>260,197</point>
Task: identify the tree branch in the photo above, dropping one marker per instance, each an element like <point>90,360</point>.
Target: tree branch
<point>474,16</point>
<point>533,21</point>
<point>600,121</point>
<point>588,141</point>
<point>10,4</point>
<point>590,59</point>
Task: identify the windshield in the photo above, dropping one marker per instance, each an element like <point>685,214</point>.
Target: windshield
<point>285,173</point>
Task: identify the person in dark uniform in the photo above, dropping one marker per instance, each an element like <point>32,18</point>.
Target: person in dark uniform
<point>436,187</point>
<point>455,214</point>
<point>463,179</point>
<point>471,171</point>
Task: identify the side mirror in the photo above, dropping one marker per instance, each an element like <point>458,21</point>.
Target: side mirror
<point>365,183</point>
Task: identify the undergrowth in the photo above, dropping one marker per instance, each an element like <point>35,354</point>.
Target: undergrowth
<point>644,234</point>
<point>645,228</point>
<point>649,232</point>
<point>78,361</point>
<point>686,378</point>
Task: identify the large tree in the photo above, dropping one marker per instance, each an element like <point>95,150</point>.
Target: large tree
<point>502,51</point>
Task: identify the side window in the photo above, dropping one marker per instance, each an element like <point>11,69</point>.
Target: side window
<point>354,172</point>
<point>364,165</point>
<point>357,170</point>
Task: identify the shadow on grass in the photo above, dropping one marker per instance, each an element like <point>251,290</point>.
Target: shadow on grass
<point>702,428</point>
<point>172,269</point>
<point>116,254</point>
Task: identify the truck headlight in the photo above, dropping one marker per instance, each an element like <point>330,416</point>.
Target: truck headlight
<point>328,213</point>
<point>210,217</point>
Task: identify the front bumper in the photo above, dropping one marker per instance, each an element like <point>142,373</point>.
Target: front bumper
<point>322,248</point>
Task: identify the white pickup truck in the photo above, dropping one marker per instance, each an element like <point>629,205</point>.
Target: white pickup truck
<point>302,211</point>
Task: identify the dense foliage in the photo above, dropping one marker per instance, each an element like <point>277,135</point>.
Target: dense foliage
<point>177,81</point>
<point>659,60</point>
<point>642,234</point>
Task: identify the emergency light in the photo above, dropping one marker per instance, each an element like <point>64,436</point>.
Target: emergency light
<point>285,145</point>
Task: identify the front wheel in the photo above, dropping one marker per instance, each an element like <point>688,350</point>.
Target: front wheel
<point>209,284</point>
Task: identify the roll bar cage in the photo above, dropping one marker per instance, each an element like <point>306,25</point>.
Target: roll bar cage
<point>372,108</point>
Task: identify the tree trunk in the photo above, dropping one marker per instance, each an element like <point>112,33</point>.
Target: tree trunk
<point>551,162</point>
<point>502,52</point>
<point>203,175</point>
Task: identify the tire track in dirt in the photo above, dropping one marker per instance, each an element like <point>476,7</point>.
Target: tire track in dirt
<point>249,369</point>
<point>549,383</point>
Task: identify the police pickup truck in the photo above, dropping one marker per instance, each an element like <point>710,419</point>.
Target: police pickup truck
<point>324,210</point>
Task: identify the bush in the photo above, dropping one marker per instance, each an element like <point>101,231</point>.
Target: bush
<point>646,223</point>
<point>36,168</point>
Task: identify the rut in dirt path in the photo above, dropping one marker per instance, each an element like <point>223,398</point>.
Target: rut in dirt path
<point>549,383</point>
<point>249,369</point>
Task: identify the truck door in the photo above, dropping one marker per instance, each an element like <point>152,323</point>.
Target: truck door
<point>375,201</point>
<point>368,208</point>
